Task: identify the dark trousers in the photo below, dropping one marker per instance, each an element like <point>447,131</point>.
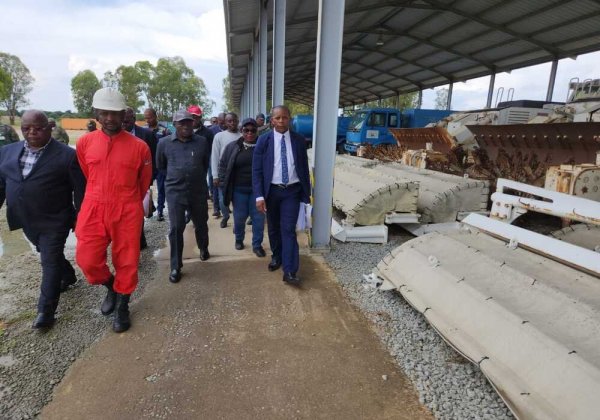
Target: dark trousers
<point>282,214</point>
<point>198,210</point>
<point>55,266</point>
<point>160,186</point>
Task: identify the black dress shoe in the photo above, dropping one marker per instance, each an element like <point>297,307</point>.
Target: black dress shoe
<point>175,276</point>
<point>43,320</point>
<point>224,222</point>
<point>65,283</point>
<point>239,245</point>
<point>188,217</point>
<point>260,252</point>
<point>204,254</point>
<point>274,265</point>
<point>160,217</point>
<point>216,215</point>
<point>291,278</point>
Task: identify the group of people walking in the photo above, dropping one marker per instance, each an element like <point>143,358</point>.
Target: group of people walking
<point>97,190</point>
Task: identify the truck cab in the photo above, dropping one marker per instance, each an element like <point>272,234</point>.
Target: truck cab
<point>372,126</point>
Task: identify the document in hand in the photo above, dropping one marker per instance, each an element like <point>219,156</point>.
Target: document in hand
<point>304,217</point>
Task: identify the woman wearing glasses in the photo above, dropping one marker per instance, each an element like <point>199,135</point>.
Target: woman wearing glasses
<point>235,171</point>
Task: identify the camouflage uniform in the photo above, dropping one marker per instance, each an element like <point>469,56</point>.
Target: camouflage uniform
<point>59,134</point>
<point>8,135</point>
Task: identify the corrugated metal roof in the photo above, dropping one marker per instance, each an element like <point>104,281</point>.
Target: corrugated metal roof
<point>427,43</point>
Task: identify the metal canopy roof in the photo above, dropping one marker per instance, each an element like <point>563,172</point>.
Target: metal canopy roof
<point>426,43</point>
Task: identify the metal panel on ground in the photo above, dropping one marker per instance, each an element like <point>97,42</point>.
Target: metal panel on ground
<point>530,323</point>
<point>583,235</point>
<point>442,197</point>
<point>367,196</point>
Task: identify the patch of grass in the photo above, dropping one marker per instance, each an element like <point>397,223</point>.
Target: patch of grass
<point>27,315</point>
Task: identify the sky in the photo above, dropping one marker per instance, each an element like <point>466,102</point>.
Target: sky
<point>527,83</point>
<point>58,38</point>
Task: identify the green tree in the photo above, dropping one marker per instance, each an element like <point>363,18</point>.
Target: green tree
<point>145,71</point>
<point>110,80</point>
<point>441,98</point>
<point>174,86</point>
<point>83,86</point>
<point>227,98</point>
<point>5,84</point>
<point>129,83</point>
<point>297,108</point>
<point>404,101</point>
<point>22,82</point>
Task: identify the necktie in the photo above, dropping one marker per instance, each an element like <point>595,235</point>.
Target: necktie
<point>284,165</point>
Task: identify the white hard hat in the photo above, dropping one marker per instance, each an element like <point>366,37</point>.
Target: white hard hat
<point>108,99</point>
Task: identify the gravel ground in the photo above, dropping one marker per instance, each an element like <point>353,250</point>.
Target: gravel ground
<point>32,362</point>
<point>448,384</point>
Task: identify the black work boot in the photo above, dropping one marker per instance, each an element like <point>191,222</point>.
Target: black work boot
<point>108,304</point>
<point>122,321</point>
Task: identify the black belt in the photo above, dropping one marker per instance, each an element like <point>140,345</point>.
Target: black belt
<point>284,186</point>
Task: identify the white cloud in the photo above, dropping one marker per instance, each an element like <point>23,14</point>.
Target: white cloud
<point>58,39</point>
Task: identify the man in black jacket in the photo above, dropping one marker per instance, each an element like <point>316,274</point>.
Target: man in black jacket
<point>184,156</point>
<point>43,185</point>
<point>148,137</point>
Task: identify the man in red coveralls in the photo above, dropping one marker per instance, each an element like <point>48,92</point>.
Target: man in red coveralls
<point>118,168</point>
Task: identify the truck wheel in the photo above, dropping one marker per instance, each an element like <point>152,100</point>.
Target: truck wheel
<point>340,149</point>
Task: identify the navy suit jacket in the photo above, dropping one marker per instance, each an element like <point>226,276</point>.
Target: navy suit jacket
<point>149,138</point>
<point>264,160</point>
<point>49,198</point>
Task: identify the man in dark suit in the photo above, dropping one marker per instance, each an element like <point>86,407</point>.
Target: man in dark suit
<point>280,181</point>
<point>43,185</point>
<point>149,138</point>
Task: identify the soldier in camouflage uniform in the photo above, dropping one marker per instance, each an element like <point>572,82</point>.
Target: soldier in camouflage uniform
<point>8,135</point>
<point>58,133</point>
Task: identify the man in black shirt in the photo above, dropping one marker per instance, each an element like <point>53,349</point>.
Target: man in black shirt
<point>183,157</point>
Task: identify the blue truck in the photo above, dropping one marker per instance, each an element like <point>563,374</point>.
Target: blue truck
<point>370,125</point>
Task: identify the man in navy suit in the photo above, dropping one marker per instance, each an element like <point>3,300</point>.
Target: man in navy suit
<point>43,185</point>
<point>280,180</point>
<point>148,137</point>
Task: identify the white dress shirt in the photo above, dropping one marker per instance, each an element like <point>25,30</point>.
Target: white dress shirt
<point>292,175</point>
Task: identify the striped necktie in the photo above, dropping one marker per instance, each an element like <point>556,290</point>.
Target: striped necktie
<point>284,164</point>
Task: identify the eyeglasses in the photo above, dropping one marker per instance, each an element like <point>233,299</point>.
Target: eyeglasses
<point>26,128</point>
<point>249,130</point>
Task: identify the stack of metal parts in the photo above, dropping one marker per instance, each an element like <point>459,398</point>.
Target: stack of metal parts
<point>443,197</point>
<point>367,196</point>
<point>523,306</point>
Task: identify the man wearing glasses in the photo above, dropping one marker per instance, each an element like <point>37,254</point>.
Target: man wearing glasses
<point>43,185</point>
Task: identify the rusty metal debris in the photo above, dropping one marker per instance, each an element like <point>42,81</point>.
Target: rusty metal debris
<point>419,138</point>
<point>521,152</point>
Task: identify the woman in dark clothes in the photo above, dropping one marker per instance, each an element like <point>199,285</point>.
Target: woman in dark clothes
<point>235,170</point>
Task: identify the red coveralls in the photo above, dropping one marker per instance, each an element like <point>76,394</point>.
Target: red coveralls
<point>118,172</point>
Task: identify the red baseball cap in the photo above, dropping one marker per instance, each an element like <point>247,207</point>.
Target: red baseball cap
<point>194,110</point>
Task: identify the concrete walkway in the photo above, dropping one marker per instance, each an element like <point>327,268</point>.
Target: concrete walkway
<point>232,341</point>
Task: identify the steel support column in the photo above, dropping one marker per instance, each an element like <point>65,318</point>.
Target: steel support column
<point>551,81</point>
<point>327,93</point>
<point>250,87</point>
<point>450,89</point>
<point>420,100</point>
<point>490,96</point>
<point>278,50</point>
<point>262,40</point>
<point>256,81</point>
